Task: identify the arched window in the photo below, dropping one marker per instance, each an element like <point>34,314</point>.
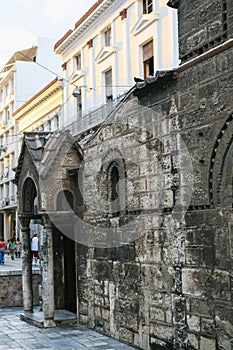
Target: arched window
<point>114,191</point>
<point>65,201</point>
<point>29,195</point>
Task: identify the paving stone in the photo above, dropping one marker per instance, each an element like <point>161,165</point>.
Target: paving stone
<point>18,335</point>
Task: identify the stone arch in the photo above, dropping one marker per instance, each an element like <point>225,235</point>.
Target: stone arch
<point>220,164</point>
<point>65,200</point>
<point>226,191</point>
<point>57,188</point>
<point>114,176</point>
<point>114,188</point>
<point>29,193</point>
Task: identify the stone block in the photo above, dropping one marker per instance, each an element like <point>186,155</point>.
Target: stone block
<point>157,314</point>
<point>193,341</point>
<point>161,331</point>
<point>193,323</point>
<point>207,344</point>
<point>126,335</point>
<point>106,315</point>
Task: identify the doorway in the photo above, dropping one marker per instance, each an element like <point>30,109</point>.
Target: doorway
<point>70,275</point>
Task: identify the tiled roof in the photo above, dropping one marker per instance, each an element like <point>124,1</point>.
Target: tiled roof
<point>152,79</point>
<point>43,148</point>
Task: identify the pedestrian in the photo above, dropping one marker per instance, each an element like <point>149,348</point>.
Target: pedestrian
<point>8,246</point>
<point>34,248</point>
<point>2,250</point>
<point>12,249</point>
<point>18,248</point>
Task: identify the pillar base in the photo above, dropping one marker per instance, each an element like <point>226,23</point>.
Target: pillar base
<point>50,323</point>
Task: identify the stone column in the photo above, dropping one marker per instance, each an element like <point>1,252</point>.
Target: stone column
<point>26,265</point>
<point>48,274</point>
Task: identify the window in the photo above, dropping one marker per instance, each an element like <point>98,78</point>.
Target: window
<point>48,125</point>
<point>108,85</point>
<point>148,59</point>
<point>65,201</point>
<point>147,6</point>
<point>114,190</point>
<point>56,122</point>
<point>79,105</point>
<point>78,61</point>
<point>7,90</point>
<point>107,37</point>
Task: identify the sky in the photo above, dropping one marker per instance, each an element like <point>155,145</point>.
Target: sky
<point>23,21</point>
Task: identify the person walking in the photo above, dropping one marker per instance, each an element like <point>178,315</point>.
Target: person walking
<point>2,250</point>
<point>12,249</point>
<point>18,248</point>
<point>34,248</point>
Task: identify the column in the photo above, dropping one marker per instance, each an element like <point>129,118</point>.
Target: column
<point>26,265</point>
<point>48,274</point>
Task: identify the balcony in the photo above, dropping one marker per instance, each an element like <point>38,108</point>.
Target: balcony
<point>5,202</point>
<point>94,118</point>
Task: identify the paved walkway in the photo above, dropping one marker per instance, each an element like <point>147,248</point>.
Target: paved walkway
<point>12,267</point>
<point>19,335</point>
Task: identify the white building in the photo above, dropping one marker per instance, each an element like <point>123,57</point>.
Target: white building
<point>22,76</point>
<point>113,42</point>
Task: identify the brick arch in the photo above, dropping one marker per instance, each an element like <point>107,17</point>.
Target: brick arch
<point>55,190</point>
<point>218,167</point>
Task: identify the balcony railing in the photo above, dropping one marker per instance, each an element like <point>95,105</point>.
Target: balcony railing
<point>93,118</point>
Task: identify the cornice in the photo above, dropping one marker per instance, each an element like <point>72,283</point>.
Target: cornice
<point>90,17</point>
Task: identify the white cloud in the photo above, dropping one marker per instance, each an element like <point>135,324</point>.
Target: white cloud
<point>38,18</point>
<point>13,39</point>
<point>66,10</point>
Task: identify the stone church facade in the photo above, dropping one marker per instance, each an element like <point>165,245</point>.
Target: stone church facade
<point>149,202</point>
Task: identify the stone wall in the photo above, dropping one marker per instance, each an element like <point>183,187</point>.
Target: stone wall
<point>11,293</point>
<point>202,25</point>
<point>158,274</point>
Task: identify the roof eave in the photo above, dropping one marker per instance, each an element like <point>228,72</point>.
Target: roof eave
<point>84,23</point>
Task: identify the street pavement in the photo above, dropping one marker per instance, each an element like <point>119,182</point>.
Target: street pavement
<point>19,335</point>
<point>11,265</point>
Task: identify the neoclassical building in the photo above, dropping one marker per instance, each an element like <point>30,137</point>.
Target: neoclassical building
<point>110,45</point>
<point>15,90</point>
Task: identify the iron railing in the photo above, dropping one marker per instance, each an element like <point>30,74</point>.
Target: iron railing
<point>94,118</point>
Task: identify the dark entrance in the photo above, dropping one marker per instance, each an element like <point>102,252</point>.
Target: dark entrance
<point>70,275</point>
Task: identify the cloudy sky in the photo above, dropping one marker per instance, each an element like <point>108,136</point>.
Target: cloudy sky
<point>22,21</point>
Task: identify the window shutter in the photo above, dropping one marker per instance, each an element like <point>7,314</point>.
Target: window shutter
<point>108,83</point>
<point>148,51</point>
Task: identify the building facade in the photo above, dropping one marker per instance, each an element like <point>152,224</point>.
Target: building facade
<point>113,43</point>
<point>21,77</point>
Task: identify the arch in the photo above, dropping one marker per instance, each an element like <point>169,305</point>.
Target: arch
<point>226,190</point>
<point>65,201</point>
<point>220,163</point>
<point>29,193</point>
<point>114,189</point>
